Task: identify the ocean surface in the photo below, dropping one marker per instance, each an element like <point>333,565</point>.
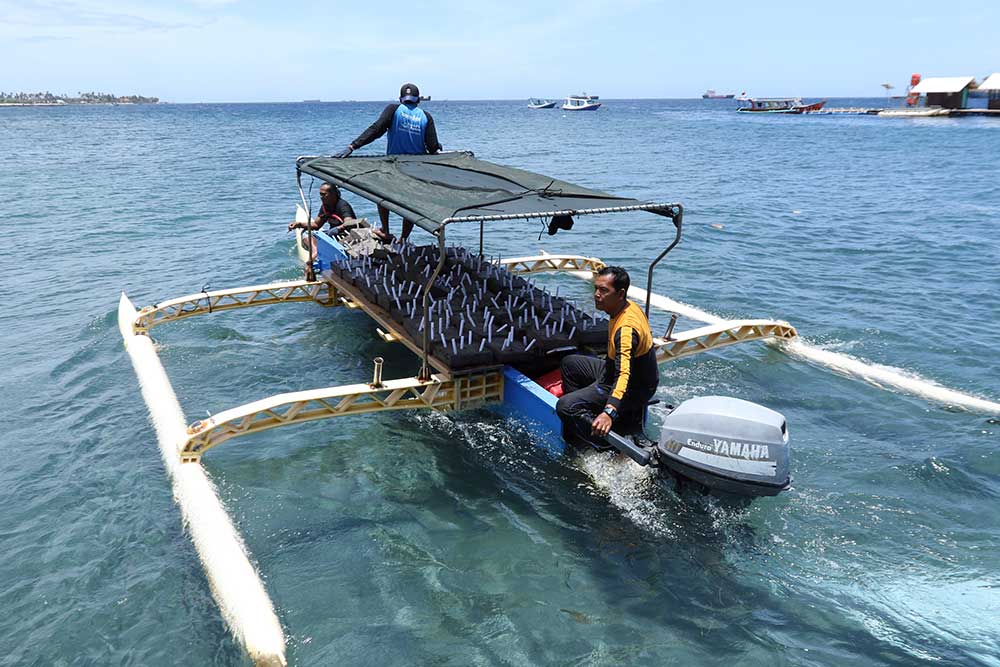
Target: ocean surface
<point>454,540</point>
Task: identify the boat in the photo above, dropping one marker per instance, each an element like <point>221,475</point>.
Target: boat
<point>484,333</point>
<point>710,94</point>
<point>780,105</point>
<point>534,103</point>
<point>915,112</point>
<point>582,102</point>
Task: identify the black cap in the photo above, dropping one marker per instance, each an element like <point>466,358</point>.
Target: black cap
<point>409,93</point>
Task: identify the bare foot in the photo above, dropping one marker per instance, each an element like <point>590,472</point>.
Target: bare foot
<point>382,236</point>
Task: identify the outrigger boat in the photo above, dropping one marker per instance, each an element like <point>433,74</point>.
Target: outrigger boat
<point>793,105</point>
<point>483,332</point>
<point>535,103</point>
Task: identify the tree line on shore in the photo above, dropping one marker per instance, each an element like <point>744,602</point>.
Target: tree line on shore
<point>81,98</point>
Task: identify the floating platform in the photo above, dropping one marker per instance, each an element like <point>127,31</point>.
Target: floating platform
<point>904,112</point>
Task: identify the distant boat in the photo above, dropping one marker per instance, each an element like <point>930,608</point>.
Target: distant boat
<point>779,105</point>
<point>710,94</point>
<point>582,102</point>
<point>311,101</point>
<point>540,104</point>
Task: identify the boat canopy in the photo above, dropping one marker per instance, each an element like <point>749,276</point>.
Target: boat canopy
<point>436,190</point>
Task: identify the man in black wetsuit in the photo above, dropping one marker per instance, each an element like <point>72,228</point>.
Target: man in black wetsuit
<point>334,210</point>
<point>411,132</point>
<point>601,393</point>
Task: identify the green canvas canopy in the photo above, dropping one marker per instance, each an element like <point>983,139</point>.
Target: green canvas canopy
<point>435,190</point>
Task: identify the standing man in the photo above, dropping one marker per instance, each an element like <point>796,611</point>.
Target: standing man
<point>411,132</point>
<point>601,393</point>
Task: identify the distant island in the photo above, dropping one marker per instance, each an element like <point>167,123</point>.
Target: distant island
<point>48,99</point>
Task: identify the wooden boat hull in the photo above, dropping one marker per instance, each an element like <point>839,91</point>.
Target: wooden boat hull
<point>794,109</point>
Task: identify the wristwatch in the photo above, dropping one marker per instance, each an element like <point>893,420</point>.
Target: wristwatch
<point>611,412</point>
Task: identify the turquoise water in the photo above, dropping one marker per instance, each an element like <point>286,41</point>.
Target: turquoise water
<point>426,539</point>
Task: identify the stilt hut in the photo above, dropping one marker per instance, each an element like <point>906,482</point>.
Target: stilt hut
<point>947,92</point>
<point>991,86</point>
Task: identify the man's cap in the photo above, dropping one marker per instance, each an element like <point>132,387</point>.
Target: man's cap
<point>409,93</point>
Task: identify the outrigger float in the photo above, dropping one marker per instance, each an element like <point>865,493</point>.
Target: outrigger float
<point>485,334</point>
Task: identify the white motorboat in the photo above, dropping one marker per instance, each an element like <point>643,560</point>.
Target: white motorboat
<point>582,102</point>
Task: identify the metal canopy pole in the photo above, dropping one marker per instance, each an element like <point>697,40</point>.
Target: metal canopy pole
<point>310,272</point>
<point>425,368</point>
<point>677,215</point>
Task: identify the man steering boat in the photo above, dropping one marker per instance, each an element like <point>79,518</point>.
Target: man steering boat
<point>599,394</point>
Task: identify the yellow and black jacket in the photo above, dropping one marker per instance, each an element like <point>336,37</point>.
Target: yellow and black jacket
<point>630,374</point>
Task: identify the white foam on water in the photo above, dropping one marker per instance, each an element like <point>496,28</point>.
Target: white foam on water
<point>628,486</point>
<point>236,586</point>
<point>957,613</point>
<point>876,374</point>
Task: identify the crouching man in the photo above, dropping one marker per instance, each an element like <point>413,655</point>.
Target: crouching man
<point>601,394</point>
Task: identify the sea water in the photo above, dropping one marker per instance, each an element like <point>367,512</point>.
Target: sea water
<point>407,538</point>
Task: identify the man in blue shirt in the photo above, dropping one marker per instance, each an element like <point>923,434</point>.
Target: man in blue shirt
<point>411,132</point>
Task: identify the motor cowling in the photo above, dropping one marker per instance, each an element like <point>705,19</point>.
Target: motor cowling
<point>727,444</point>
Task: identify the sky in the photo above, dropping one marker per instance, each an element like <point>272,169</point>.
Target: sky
<point>253,51</point>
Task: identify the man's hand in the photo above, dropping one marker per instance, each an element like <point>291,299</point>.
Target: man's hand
<point>294,225</point>
<point>601,426</point>
<point>344,153</point>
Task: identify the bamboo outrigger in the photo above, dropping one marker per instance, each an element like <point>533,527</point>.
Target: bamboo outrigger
<point>435,192</point>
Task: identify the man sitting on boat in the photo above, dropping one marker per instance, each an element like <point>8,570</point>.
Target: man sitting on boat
<point>411,132</point>
<point>335,211</point>
<point>616,389</point>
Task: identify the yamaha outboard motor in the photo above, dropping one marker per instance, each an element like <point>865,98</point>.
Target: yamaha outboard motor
<point>727,444</point>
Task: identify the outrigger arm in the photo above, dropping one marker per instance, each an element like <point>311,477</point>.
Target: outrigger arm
<point>291,291</point>
<point>672,345</point>
<point>435,393</point>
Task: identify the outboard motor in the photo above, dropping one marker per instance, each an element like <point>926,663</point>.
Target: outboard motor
<point>727,444</point>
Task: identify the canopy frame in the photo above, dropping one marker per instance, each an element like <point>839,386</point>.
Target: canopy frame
<point>672,210</point>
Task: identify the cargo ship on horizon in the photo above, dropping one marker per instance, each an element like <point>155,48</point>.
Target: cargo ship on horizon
<point>710,94</point>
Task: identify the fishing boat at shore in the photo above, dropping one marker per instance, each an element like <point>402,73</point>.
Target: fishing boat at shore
<point>535,103</point>
<point>793,105</point>
<point>583,102</point>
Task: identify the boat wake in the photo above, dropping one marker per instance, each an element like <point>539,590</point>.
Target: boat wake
<point>878,375</point>
<point>629,487</point>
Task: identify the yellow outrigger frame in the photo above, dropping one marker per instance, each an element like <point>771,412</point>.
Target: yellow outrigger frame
<point>443,391</point>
